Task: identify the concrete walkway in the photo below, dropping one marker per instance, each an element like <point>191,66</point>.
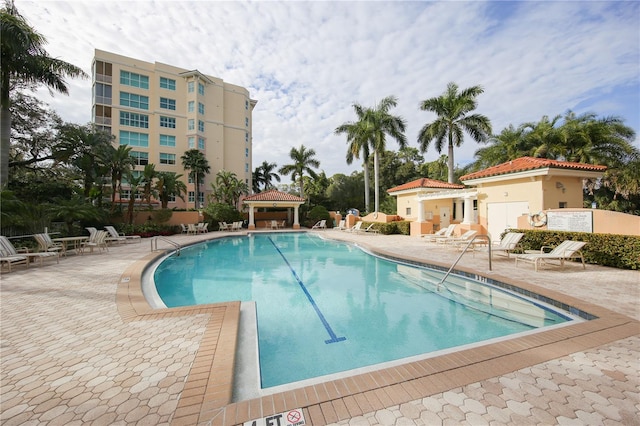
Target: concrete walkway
<point>70,356</point>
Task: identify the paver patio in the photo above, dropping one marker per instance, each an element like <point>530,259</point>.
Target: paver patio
<point>80,346</point>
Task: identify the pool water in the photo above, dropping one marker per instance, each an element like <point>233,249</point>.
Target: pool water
<point>325,306</point>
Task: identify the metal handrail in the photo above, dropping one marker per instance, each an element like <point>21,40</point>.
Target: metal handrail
<point>463,252</point>
<point>154,242</point>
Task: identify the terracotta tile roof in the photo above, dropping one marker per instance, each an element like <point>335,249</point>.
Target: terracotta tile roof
<point>530,163</point>
<point>274,195</point>
<point>425,183</point>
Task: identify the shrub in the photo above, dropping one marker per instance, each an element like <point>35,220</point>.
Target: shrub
<point>162,215</point>
<point>221,212</point>
<point>617,251</point>
<point>390,228</point>
<point>318,213</point>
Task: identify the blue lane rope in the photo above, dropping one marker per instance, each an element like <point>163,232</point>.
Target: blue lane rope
<point>334,338</point>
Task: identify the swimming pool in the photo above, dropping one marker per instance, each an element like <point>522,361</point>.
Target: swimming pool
<point>325,306</point>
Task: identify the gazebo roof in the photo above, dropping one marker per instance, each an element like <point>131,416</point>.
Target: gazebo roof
<point>273,195</point>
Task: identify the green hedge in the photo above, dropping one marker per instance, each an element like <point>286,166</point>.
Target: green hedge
<point>617,251</point>
<point>389,228</point>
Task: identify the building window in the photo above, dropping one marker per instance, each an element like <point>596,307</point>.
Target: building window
<point>191,142</point>
<point>201,144</point>
<point>171,198</point>
<point>200,108</point>
<point>134,138</point>
<point>102,114</point>
<point>134,120</point>
<point>167,83</point>
<point>246,167</point>
<point>167,103</point>
<point>408,211</point>
<point>104,71</point>
<point>140,158</point>
<point>169,122</point>
<point>102,93</point>
<point>135,80</point>
<point>246,105</point>
<point>246,152</point>
<point>168,140</point>
<point>191,124</point>
<point>190,87</point>
<point>200,126</point>
<point>167,158</point>
<point>246,136</point>
<point>201,89</point>
<point>246,121</point>
<point>191,106</point>
<point>190,179</point>
<point>192,196</point>
<point>562,205</point>
<point>134,101</point>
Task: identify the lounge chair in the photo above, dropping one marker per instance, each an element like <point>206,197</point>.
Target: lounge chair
<point>565,251</point>
<point>48,245</point>
<point>462,239</point>
<point>274,224</point>
<point>224,226</point>
<point>342,225</point>
<point>355,228</point>
<point>203,227</point>
<point>91,230</point>
<point>509,243</point>
<point>183,228</point>
<point>321,224</point>
<point>8,250</point>
<point>192,229</point>
<point>113,234</point>
<point>371,230</point>
<point>443,233</point>
<point>237,226</point>
<point>13,261</point>
<point>97,240</point>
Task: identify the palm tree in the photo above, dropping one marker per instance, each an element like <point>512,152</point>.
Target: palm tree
<point>263,175</point>
<point>135,182</point>
<point>196,163</point>
<point>119,162</point>
<point>508,145</point>
<point>358,137</point>
<point>169,185</point>
<point>149,174</point>
<point>545,138</point>
<point>382,123</point>
<point>303,161</point>
<point>452,109</point>
<point>24,61</point>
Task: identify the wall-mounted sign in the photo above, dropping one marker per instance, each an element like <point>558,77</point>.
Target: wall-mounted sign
<point>581,221</point>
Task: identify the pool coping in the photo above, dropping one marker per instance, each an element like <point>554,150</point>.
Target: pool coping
<point>208,390</point>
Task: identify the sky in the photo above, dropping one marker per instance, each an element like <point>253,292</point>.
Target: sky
<point>308,62</point>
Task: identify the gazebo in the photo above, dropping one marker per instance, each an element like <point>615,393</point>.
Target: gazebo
<point>274,199</point>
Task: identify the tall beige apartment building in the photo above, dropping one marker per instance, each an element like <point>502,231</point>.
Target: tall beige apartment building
<point>161,111</point>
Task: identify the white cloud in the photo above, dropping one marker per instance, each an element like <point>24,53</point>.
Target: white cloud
<point>307,62</point>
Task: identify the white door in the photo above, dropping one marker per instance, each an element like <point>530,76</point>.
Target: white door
<point>501,216</point>
<point>445,213</point>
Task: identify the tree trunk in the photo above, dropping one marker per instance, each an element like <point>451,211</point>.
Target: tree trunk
<point>5,144</point>
<point>367,201</point>
<point>376,181</point>
<point>450,178</point>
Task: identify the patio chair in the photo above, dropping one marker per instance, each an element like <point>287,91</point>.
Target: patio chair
<point>274,224</point>
<point>8,250</point>
<point>48,245</point>
<point>192,229</point>
<point>443,233</point>
<point>342,225</point>
<point>97,240</point>
<point>237,226</point>
<point>355,228</point>
<point>371,230</point>
<point>11,261</point>
<point>91,230</point>
<point>464,238</point>
<point>113,233</point>
<point>565,251</point>
<point>183,228</point>
<point>321,224</point>
<point>508,243</point>
<point>203,227</point>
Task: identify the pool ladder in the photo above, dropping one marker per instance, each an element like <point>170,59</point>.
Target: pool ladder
<point>154,244</point>
<point>485,237</point>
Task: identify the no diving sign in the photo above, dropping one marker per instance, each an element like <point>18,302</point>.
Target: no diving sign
<point>288,418</point>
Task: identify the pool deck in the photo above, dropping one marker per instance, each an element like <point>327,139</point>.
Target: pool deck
<point>79,345</point>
